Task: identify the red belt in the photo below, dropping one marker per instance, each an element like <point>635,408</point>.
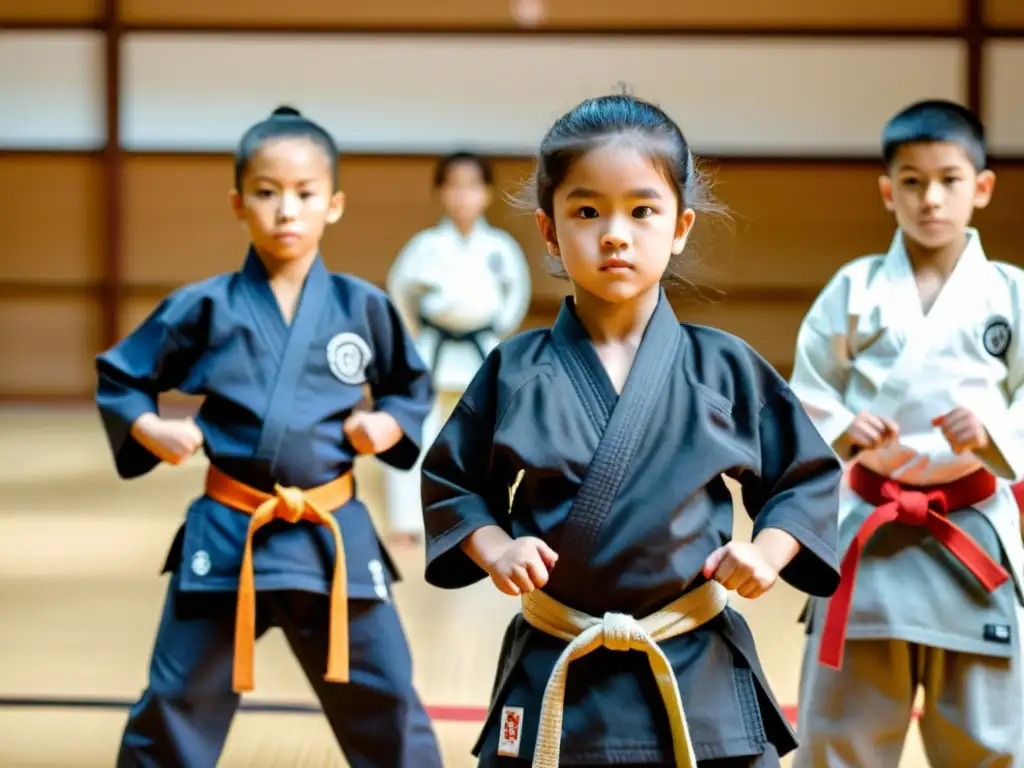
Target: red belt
<point>925,506</point>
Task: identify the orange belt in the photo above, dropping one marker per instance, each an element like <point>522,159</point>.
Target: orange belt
<point>291,505</point>
<point>912,506</point>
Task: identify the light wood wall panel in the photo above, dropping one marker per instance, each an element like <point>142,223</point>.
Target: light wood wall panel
<point>48,345</point>
<point>1004,13</point>
<point>768,326</point>
<point>788,226</point>
<point>1004,96</point>
<point>50,10</point>
<point>52,90</point>
<point>413,14</point>
<point>176,220</point>
<point>135,308</point>
<point>53,219</point>
<point>792,96</point>
<point>1000,223</point>
<point>179,226</point>
<point>757,13</point>
<point>792,228</point>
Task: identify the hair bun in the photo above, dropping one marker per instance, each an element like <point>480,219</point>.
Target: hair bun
<point>286,111</point>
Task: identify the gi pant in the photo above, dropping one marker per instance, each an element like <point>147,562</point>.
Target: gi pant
<point>858,716</point>
<point>183,716</point>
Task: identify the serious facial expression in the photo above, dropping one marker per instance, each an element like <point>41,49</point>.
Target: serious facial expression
<point>616,223</point>
<point>933,190</point>
<point>287,198</point>
<point>465,194</point>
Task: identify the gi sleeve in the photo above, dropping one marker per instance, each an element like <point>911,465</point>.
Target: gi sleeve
<point>515,277</point>
<point>158,356</point>
<point>399,382</point>
<point>405,285</point>
<point>1004,419</point>
<point>458,490</point>
<point>821,364</point>
<point>797,491</point>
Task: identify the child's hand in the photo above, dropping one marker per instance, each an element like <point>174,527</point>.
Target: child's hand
<point>523,565</point>
<point>742,567</point>
<point>372,432</point>
<point>870,431</point>
<point>962,431</point>
<point>170,440</point>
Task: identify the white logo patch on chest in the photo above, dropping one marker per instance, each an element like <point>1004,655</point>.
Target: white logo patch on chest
<point>348,357</point>
<point>997,337</point>
<point>201,563</point>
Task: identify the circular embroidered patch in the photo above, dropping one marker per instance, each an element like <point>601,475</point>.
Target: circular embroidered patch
<point>348,357</point>
<point>200,563</point>
<point>997,337</point>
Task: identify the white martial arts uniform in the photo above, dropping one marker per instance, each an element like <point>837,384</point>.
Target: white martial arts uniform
<point>918,617</point>
<point>459,296</point>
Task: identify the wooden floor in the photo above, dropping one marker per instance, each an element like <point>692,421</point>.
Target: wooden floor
<point>80,594</point>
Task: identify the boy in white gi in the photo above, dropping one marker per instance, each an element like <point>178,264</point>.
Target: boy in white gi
<point>460,287</point>
<point>910,364</point>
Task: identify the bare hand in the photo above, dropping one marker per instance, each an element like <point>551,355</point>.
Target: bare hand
<point>741,567</point>
<point>372,432</point>
<point>522,566</point>
<point>870,431</point>
<point>962,430</point>
<point>170,440</point>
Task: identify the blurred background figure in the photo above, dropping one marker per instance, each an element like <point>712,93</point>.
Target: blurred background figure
<point>460,286</point>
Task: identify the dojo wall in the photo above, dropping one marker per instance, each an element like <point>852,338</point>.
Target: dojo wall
<point>117,120</point>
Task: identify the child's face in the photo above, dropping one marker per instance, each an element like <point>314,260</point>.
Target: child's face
<point>287,198</point>
<point>616,223</point>
<point>465,195</point>
<point>933,190</point>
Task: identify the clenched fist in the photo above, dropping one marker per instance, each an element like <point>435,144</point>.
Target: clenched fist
<point>170,440</point>
<point>962,430</point>
<point>870,431</point>
<point>742,568</point>
<point>372,432</point>
<point>522,565</point>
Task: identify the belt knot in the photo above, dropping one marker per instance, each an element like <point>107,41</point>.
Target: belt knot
<point>618,631</point>
<point>290,503</point>
<point>913,505</point>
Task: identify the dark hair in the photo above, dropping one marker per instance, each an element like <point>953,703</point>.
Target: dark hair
<point>446,162</point>
<point>620,117</point>
<point>936,120</point>
<point>284,122</point>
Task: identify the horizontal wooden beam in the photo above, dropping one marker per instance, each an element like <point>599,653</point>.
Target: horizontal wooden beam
<point>48,399</point>
<point>1004,33</point>
<point>511,28</point>
<point>737,159</point>
<point>43,289</point>
<point>45,152</point>
<point>50,25</point>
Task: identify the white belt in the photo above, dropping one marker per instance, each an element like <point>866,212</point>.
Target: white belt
<point>618,632</point>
